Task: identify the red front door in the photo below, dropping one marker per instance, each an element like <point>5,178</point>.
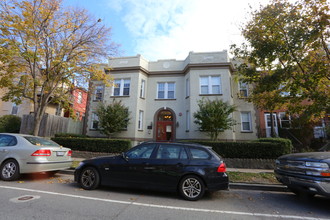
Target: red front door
<point>164,130</point>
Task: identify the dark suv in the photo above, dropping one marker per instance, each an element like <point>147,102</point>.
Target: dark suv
<point>305,174</point>
<point>189,169</point>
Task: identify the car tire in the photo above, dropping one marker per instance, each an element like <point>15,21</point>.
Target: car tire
<point>191,188</point>
<point>89,178</point>
<point>9,170</point>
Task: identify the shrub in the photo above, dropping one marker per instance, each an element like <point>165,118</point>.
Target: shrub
<point>72,135</point>
<point>94,144</point>
<point>267,149</point>
<point>10,123</point>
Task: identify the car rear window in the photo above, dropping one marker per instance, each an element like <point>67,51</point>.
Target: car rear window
<point>198,153</point>
<point>40,141</point>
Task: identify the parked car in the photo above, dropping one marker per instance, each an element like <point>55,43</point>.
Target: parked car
<point>305,174</point>
<point>20,153</point>
<point>189,169</point>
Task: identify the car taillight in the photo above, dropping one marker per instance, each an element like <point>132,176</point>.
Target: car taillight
<point>42,153</point>
<point>222,168</point>
<point>70,153</point>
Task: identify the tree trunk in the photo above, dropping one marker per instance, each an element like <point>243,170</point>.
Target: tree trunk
<point>37,121</point>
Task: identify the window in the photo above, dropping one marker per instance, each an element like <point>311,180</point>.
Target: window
<point>98,93</point>
<point>58,110</point>
<point>187,121</point>
<point>14,109</point>
<point>141,152</point>
<point>243,89</point>
<point>166,90</point>
<point>95,121</point>
<point>121,87</point>
<point>246,121</point>
<point>79,98</point>
<point>142,89</point>
<point>171,152</point>
<point>285,120</point>
<point>140,123</point>
<point>187,88</point>
<point>199,153</point>
<point>7,140</point>
<point>210,85</point>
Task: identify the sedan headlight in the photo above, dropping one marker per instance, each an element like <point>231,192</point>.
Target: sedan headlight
<point>317,164</point>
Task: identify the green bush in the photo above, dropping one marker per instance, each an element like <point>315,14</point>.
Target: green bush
<point>261,149</point>
<point>10,123</point>
<point>70,135</point>
<point>94,144</point>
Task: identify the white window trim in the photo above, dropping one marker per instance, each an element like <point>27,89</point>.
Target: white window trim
<point>142,89</point>
<point>243,89</point>
<point>187,87</point>
<point>80,97</point>
<point>101,87</point>
<point>250,122</point>
<point>121,87</point>
<point>166,90</point>
<point>209,85</point>
<point>140,122</point>
<point>94,118</point>
<point>187,120</point>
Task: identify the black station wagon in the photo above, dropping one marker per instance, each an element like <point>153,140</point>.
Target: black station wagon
<point>189,169</point>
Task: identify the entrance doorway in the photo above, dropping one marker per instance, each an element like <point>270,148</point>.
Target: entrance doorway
<point>268,124</point>
<point>165,126</point>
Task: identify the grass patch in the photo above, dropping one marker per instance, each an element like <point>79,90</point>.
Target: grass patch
<point>241,177</point>
<point>74,164</point>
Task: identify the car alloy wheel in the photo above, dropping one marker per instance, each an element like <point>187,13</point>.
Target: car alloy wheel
<point>191,188</point>
<point>89,178</point>
<point>9,170</point>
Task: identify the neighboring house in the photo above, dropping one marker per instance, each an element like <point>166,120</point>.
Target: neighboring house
<point>25,108</point>
<point>162,97</point>
<point>78,104</point>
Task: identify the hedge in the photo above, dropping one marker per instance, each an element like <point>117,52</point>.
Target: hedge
<point>72,135</point>
<point>260,149</point>
<point>94,144</point>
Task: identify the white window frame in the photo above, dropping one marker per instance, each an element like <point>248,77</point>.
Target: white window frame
<point>94,118</point>
<point>209,85</point>
<point>140,122</point>
<point>14,109</point>
<point>249,121</point>
<point>187,120</point>
<point>166,90</point>
<point>187,87</point>
<point>79,97</point>
<point>98,93</point>
<point>243,89</point>
<point>121,87</point>
<point>142,89</point>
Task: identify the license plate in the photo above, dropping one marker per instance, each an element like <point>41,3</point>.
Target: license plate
<point>60,153</point>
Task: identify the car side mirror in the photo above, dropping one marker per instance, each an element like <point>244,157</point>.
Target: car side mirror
<point>124,156</point>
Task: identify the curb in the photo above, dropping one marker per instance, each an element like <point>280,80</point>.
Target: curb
<point>261,187</point>
<point>243,186</point>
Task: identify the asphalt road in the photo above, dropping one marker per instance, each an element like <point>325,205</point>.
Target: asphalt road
<point>41,197</point>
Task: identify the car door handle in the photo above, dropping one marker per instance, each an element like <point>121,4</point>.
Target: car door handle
<point>179,165</point>
<point>150,168</point>
<point>4,150</point>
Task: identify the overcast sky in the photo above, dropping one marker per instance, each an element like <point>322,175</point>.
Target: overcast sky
<point>170,29</point>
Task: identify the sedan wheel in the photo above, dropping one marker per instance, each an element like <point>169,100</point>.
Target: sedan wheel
<point>89,178</point>
<point>9,170</point>
<point>191,188</point>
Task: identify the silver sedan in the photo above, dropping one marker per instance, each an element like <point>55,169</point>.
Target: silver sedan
<point>20,153</point>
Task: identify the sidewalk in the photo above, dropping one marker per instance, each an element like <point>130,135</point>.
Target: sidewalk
<point>244,186</point>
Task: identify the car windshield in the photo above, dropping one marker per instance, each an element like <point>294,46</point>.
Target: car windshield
<point>40,141</point>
